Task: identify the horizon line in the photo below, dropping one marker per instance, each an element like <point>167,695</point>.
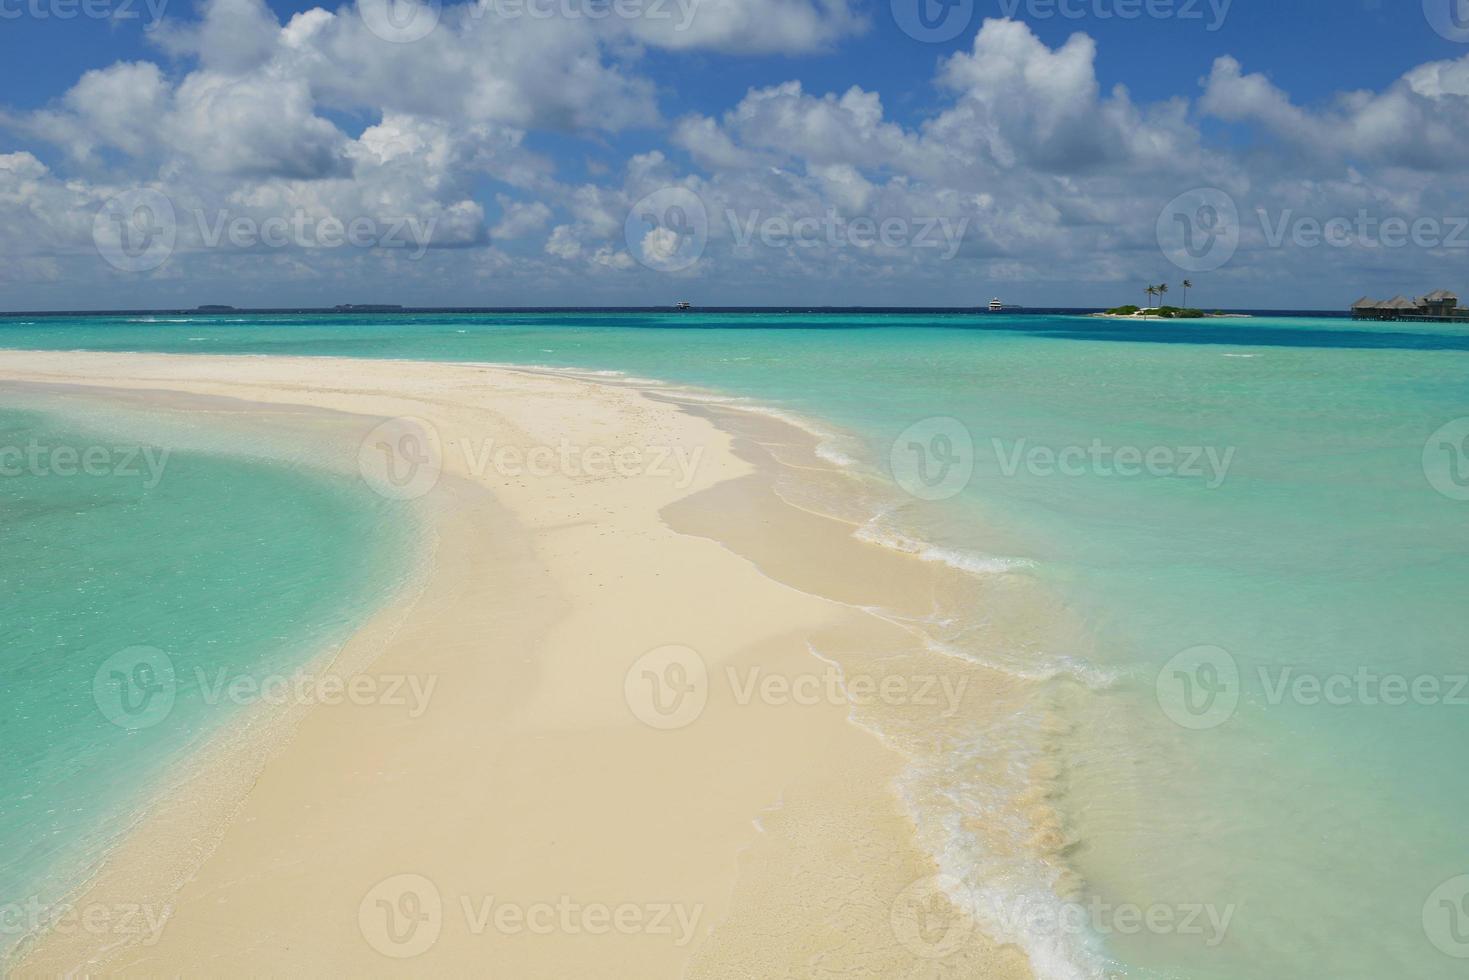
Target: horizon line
<point>396,309</point>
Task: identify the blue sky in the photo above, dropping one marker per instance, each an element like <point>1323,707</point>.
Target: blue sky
<point>1156,58</point>
<point>504,159</point>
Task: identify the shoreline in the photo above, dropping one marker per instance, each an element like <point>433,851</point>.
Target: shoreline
<point>1206,316</point>
<point>792,791</point>
<point>218,758</point>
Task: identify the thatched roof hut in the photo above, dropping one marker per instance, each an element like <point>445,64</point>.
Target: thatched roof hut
<point>1441,304</point>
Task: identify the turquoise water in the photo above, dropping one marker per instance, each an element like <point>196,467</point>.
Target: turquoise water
<point>136,574</point>
<point>1324,548</point>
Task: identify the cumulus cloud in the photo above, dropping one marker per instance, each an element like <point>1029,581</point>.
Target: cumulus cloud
<point>563,243</point>
<point>746,26</point>
<point>519,219</point>
<point>1420,121</point>
<point>42,216</point>
<point>1019,103</point>
<point>1032,171</point>
<point>233,36</point>
<point>1027,159</point>
<point>1021,167</point>
<point>260,126</point>
<point>115,106</point>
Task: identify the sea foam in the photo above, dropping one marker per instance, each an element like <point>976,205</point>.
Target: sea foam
<point>878,533</point>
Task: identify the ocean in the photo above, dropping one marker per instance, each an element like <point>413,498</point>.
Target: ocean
<point>155,590</point>
<point>1253,530</point>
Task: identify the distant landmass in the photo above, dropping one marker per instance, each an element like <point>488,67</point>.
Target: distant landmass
<point>368,308</point>
<point>1337,313</point>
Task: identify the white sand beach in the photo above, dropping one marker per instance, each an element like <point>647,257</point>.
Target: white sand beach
<point>624,760</point>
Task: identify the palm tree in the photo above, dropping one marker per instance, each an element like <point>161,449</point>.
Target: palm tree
<point>1187,285</point>
<point>1152,291</point>
<point>1162,291</point>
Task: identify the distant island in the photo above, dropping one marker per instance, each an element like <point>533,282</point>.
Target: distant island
<point>1166,313</point>
<point>368,308</point>
<point>1160,312</point>
<point>214,308</point>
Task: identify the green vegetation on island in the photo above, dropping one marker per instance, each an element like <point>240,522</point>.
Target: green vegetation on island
<point>1164,312</point>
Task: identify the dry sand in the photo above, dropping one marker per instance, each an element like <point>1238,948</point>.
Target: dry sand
<point>592,790</point>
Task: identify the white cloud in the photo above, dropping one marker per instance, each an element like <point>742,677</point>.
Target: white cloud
<point>746,26</point>
<point>1050,176</point>
<point>519,219</point>
<point>115,106</point>
<point>233,37</point>
<point>1419,122</point>
<point>1021,104</point>
<point>263,125</point>
<point>608,257</point>
<point>711,147</point>
<point>563,243</point>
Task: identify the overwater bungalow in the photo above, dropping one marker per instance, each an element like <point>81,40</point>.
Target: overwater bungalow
<point>1441,305</point>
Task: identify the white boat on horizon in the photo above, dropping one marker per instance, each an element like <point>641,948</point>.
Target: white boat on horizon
<point>996,306</point>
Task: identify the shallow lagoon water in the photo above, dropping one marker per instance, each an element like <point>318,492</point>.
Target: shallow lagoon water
<point>1253,520</point>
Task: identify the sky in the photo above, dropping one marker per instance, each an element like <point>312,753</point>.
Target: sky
<point>167,154</point>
